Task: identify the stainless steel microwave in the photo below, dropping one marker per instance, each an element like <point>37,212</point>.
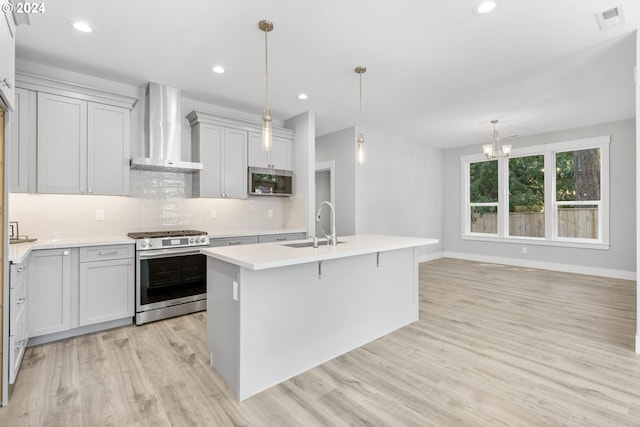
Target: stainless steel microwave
<point>270,182</point>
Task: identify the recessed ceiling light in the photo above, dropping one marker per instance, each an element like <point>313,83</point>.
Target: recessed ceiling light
<point>81,26</point>
<point>485,6</point>
<point>303,96</point>
<point>218,69</point>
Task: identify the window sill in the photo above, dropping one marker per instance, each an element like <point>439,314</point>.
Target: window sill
<point>581,244</point>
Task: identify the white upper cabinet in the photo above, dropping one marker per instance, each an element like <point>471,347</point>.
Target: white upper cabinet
<point>107,149</point>
<point>227,147</point>
<point>223,153</point>
<point>68,142</point>
<point>277,158</point>
<point>62,144</point>
<point>7,58</point>
<point>22,161</point>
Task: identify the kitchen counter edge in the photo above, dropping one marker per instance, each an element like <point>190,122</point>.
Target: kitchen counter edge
<point>272,255</point>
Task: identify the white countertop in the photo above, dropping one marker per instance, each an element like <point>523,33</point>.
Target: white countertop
<point>271,255</point>
<point>19,251</point>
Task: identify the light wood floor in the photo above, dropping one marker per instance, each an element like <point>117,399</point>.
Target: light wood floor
<point>494,346</point>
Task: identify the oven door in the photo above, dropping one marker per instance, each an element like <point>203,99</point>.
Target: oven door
<point>168,277</point>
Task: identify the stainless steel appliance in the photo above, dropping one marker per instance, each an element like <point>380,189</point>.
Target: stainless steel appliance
<point>270,182</point>
<point>171,274</point>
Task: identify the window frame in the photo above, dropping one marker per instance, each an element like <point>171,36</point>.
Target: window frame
<point>551,237</point>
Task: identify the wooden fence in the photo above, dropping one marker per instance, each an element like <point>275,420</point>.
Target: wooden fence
<point>579,223</point>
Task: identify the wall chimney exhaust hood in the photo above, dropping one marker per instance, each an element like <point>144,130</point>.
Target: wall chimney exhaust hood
<point>163,133</point>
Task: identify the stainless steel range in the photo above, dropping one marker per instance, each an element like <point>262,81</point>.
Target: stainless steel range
<point>171,274</point>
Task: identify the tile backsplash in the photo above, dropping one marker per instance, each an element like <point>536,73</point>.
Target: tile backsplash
<point>48,216</point>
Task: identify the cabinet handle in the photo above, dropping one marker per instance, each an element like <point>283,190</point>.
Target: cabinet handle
<point>237,242</point>
<point>20,270</point>
<point>107,252</point>
<point>90,190</point>
<point>20,300</point>
<point>281,239</point>
<point>65,253</point>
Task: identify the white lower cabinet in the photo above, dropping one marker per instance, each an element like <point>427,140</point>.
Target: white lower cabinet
<point>106,287</point>
<point>49,291</point>
<point>18,317</point>
<point>71,288</point>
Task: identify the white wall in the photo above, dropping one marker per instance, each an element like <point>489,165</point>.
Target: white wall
<point>399,189</point>
<point>304,189</point>
<point>340,147</point>
<point>618,261</point>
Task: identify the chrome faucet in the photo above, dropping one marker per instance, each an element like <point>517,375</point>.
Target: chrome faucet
<point>332,237</point>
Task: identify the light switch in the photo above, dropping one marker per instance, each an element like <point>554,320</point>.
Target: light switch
<point>213,213</point>
<point>270,213</point>
<point>99,214</point>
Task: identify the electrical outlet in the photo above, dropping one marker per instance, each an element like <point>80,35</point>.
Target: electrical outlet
<point>213,213</point>
<point>270,213</point>
<point>524,250</point>
<point>99,214</point>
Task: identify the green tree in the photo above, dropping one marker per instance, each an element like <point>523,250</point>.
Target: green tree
<point>526,183</point>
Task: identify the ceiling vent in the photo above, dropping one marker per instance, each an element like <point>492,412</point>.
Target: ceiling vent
<point>610,17</point>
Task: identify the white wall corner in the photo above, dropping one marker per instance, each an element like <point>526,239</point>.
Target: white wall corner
<point>637,343</point>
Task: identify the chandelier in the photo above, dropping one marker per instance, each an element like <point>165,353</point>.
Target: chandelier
<point>493,150</point>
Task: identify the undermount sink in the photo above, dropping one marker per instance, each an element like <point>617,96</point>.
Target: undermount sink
<point>307,244</point>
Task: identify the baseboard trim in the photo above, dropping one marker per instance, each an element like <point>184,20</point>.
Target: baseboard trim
<point>43,339</point>
<point>566,268</point>
<point>430,257</point>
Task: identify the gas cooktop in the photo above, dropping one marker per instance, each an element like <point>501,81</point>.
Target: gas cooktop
<point>166,233</point>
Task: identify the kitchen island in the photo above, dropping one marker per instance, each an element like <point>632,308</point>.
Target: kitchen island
<point>276,310</point>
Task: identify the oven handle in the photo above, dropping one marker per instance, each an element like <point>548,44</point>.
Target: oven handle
<point>163,253</point>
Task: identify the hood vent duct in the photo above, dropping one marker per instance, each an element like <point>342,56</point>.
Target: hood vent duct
<point>163,133</point>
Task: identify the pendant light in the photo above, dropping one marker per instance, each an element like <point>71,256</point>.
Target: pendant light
<point>360,153</point>
<point>493,150</point>
<point>267,135</point>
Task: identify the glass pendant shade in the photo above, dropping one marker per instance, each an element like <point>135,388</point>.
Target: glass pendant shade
<point>360,153</point>
<point>267,134</point>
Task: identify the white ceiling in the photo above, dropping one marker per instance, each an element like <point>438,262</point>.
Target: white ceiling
<point>436,73</point>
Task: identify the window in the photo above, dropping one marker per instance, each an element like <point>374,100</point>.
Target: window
<point>553,194</point>
<point>526,196</point>
<point>483,206</point>
<point>578,198</point>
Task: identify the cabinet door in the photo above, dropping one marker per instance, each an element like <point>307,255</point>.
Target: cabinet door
<point>106,291</point>
<point>278,157</point>
<point>207,149</point>
<point>22,163</point>
<point>17,343</point>
<point>49,291</point>
<point>280,154</point>
<point>7,58</point>
<point>235,163</point>
<point>107,150</point>
<point>257,156</point>
<point>62,144</point>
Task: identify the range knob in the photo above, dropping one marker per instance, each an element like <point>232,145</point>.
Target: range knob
<point>191,240</point>
<point>203,239</point>
<point>143,244</point>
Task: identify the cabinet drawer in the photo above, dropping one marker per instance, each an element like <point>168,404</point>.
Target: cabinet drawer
<point>245,240</point>
<point>280,237</point>
<point>102,253</point>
